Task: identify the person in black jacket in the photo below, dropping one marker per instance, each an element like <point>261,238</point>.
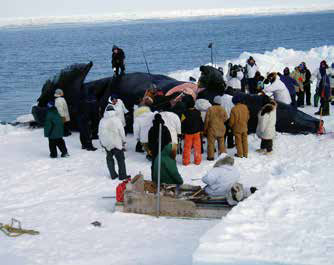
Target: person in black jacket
<point>153,137</point>
<point>307,84</point>
<point>117,61</point>
<point>192,126</point>
<point>83,121</point>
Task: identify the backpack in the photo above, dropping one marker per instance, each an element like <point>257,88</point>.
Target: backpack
<point>120,189</point>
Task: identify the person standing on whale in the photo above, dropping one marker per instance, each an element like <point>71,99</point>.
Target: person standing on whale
<point>117,60</point>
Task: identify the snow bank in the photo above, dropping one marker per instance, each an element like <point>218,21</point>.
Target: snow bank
<point>270,61</point>
<point>25,118</point>
<point>175,14</point>
<point>289,219</point>
<point>5,129</point>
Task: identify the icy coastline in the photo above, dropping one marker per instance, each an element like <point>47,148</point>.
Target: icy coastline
<point>132,16</point>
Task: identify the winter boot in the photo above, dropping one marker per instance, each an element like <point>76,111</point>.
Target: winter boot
<point>139,147</point>
<point>91,148</point>
<point>260,150</point>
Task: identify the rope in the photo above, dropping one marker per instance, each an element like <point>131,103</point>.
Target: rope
<point>11,231</point>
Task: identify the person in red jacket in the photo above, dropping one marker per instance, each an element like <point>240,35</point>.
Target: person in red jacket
<point>192,126</point>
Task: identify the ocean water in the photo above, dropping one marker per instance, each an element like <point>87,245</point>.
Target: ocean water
<point>30,55</point>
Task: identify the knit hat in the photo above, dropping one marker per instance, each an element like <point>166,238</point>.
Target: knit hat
<point>217,100</point>
<point>58,93</point>
<point>158,120</point>
<point>236,99</point>
<point>235,194</point>
<point>50,104</point>
<point>301,66</point>
<point>113,96</point>
<point>324,63</point>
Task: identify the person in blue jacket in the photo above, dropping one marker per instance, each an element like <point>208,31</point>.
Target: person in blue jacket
<point>290,83</point>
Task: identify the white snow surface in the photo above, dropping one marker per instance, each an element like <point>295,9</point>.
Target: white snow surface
<point>289,220</point>
<point>172,14</point>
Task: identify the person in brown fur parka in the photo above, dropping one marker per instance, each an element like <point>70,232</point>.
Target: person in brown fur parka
<point>238,122</point>
<point>214,129</point>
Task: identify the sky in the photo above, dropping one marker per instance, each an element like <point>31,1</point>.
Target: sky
<point>46,8</point>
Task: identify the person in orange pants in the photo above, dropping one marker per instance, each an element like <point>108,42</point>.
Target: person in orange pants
<point>192,141</point>
<point>192,126</point>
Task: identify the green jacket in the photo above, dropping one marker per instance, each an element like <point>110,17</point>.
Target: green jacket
<point>168,173</point>
<point>53,127</point>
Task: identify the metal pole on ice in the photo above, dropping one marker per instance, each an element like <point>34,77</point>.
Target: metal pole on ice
<point>210,47</point>
<point>159,168</point>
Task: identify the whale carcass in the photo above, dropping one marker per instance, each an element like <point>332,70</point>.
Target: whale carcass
<point>132,86</point>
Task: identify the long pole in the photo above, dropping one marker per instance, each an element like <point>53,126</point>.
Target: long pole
<point>148,69</point>
<point>210,46</point>
<point>159,169</point>
<point>211,57</point>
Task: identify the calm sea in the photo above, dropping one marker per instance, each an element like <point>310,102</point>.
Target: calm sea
<point>30,55</point>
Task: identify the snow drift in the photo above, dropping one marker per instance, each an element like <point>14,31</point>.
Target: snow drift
<point>272,61</point>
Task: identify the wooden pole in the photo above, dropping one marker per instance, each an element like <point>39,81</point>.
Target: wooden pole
<point>159,169</point>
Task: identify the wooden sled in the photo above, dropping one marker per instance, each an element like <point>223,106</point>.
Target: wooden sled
<point>139,200</point>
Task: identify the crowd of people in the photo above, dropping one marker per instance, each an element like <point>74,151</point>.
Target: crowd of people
<point>223,122</point>
<point>290,87</point>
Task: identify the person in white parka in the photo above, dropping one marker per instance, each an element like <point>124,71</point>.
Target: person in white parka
<point>62,108</point>
<point>251,69</point>
<point>173,123</point>
<point>202,105</point>
<point>277,89</point>
<point>112,138</point>
<point>223,180</point>
<point>234,77</point>
<point>119,107</point>
<point>143,117</point>
<point>265,129</point>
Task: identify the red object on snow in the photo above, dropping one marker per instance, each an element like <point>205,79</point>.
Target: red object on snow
<point>321,129</point>
<point>120,190</point>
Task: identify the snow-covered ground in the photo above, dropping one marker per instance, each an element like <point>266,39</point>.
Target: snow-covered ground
<point>288,221</point>
<point>62,197</point>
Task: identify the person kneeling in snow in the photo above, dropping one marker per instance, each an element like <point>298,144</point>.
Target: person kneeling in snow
<point>265,129</point>
<point>223,181</point>
<point>168,170</point>
<point>54,130</point>
<point>112,138</point>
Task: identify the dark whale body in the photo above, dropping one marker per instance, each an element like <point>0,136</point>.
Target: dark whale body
<point>132,86</point>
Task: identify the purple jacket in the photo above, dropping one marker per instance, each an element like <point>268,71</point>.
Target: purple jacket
<point>290,83</point>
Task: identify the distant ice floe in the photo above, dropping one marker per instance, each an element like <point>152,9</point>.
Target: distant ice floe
<point>272,61</point>
<point>176,14</point>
